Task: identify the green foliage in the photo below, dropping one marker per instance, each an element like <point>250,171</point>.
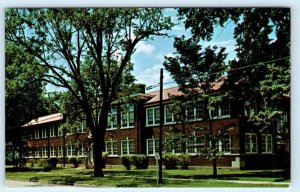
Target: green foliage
<point>140,161</point>
<point>41,162</point>
<point>31,162</point>
<point>126,161</point>
<point>74,160</point>
<point>184,161</point>
<point>95,46</point>
<point>52,161</point>
<point>170,160</point>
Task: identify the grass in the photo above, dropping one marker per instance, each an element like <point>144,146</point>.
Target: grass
<point>119,177</point>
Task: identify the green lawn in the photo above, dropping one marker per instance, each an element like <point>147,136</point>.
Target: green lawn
<point>119,177</point>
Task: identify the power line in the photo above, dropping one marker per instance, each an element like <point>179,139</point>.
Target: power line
<point>234,69</point>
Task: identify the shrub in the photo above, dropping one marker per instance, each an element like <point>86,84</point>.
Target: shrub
<point>126,161</point>
<point>140,161</point>
<point>53,162</point>
<point>104,158</point>
<point>41,162</point>
<point>170,161</point>
<point>184,161</point>
<point>74,160</point>
<point>47,168</point>
<point>31,162</point>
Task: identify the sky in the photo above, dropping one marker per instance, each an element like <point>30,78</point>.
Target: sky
<point>149,56</point>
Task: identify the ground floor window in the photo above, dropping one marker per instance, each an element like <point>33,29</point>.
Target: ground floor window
<point>111,147</point>
<point>225,144</point>
<point>45,151</point>
<point>60,151</point>
<point>251,143</point>
<point>127,147</point>
<point>52,151</point>
<point>195,145</point>
<point>152,146</point>
<point>37,152</point>
<point>266,142</point>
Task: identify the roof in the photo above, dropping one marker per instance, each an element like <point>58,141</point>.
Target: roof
<point>175,91</point>
<point>166,93</point>
<point>45,119</point>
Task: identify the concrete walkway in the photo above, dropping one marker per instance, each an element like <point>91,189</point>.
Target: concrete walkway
<point>22,184</point>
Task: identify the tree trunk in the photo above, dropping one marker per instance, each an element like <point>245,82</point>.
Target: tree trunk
<point>98,142</point>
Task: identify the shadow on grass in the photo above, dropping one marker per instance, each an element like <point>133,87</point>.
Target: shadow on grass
<point>280,176</point>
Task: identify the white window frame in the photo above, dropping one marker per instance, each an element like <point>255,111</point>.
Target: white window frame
<point>127,113</point>
<point>60,131</point>
<point>111,115</point>
<point>44,132</point>
<point>112,147</point>
<point>166,109</point>
<point>52,151</point>
<point>152,110</point>
<point>37,133</point>
<point>220,109</point>
<point>60,151</point>
<point>268,143</point>
<point>251,143</point>
<point>127,147</point>
<point>195,145</point>
<point>52,130</point>
<point>221,145</point>
<point>37,152</point>
<point>154,141</point>
<point>82,125</point>
<point>44,151</point>
<point>194,110</point>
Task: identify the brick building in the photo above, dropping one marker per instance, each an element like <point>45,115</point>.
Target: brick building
<point>133,128</point>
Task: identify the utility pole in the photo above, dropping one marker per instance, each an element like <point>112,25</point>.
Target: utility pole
<point>160,180</point>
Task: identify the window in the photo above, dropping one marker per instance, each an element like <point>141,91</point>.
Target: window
<point>80,151</point>
<point>37,133</point>
<point>195,145</point>
<point>127,117</point>
<point>82,126</point>
<point>52,151</point>
<point>225,109</point>
<point>44,132</point>
<point>70,150</point>
<point>169,116</point>
<point>190,113</point>
<point>45,151</point>
<point>111,147</point>
<point>225,144</point>
<point>60,151</point>
<point>37,152</point>
<point>266,141</point>
<point>199,110</point>
<point>153,116</point>
<point>112,121</point>
<point>127,147</point>
<point>251,143</point>
<point>53,130</point>
<point>59,131</point>
<point>152,146</point>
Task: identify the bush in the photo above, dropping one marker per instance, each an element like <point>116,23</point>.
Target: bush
<point>47,168</point>
<point>53,162</point>
<point>104,158</point>
<point>74,160</point>
<point>126,161</point>
<point>170,161</point>
<point>139,161</point>
<point>184,161</point>
<point>31,162</point>
<point>41,162</point>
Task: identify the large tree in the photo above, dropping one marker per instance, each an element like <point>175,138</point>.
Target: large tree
<point>70,41</point>
<point>260,74</point>
<point>197,71</point>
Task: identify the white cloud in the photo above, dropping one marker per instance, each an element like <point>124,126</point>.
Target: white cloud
<point>151,76</point>
<point>145,48</point>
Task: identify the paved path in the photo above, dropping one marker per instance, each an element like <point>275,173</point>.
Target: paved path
<point>21,184</point>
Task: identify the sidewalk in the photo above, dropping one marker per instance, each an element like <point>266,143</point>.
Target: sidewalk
<point>22,184</point>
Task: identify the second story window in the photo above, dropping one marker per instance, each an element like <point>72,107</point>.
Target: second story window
<point>127,117</point>
<point>169,116</point>
<point>53,130</point>
<point>153,116</point>
<point>44,132</point>
<point>112,120</point>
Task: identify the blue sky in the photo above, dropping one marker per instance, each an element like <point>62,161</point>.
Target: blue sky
<point>149,56</point>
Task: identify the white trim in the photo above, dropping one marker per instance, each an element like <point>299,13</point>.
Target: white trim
<point>256,148</point>
<point>154,140</point>
<point>153,109</point>
<point>268,141</point>
<point>127,146</point>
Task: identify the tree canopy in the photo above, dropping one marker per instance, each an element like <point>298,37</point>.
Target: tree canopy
<point>76,44</point>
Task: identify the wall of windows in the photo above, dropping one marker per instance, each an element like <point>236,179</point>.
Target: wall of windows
<point>112,121</point>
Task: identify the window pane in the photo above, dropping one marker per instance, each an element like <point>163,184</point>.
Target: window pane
<point>150,146</point>
<point>150,118</point>
<point>157,115</point>
<point>169,115</point>
<point>199,110</point>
